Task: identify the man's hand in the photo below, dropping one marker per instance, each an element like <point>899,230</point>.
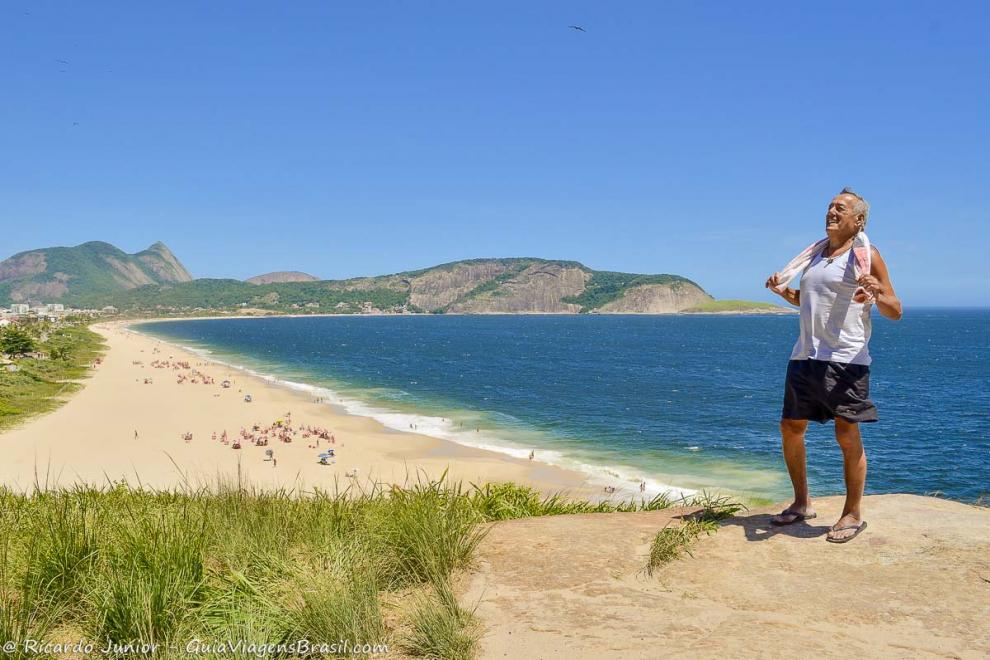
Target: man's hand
<point>872,285</point>
<point>793,296</point>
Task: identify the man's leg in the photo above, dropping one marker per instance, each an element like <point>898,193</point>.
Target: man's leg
<point>792,435</point>
<point>854,466</point>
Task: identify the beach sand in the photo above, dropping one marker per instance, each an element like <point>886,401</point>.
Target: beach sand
<point>91,439</point>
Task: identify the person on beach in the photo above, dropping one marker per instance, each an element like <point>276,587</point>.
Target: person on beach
<point>828,375</point>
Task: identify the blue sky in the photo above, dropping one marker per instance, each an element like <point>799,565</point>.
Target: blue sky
<point>343,139</point>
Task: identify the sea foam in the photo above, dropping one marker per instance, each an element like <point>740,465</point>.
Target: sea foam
<point>443,428</point>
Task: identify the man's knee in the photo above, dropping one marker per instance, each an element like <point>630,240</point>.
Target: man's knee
<point>847,435</point>
<point>792,427</point>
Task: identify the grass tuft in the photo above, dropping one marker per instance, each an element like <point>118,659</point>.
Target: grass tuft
<point>441,628</point>
<point>674,541</point>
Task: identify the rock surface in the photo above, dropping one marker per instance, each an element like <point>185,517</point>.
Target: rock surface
<point>282,276</point>
<point>914,584</point>
<point>657,299</point>
<point>537,289</point>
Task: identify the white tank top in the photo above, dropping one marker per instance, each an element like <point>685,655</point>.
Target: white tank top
<point>833,327</point>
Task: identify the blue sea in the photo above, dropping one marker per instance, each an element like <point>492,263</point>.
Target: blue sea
<point>690,402</point>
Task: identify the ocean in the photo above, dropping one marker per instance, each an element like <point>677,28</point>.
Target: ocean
<point>690,402</point>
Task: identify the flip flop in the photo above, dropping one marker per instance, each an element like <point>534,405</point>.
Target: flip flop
<point>859,528</point>
<point>798,517</point>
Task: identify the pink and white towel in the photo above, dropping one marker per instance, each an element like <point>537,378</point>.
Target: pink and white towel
<point>862,257</point>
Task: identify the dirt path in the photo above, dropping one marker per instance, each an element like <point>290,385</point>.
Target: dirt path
<point>915,584</point>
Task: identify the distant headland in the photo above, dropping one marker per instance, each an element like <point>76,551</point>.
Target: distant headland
<point>97,274</point>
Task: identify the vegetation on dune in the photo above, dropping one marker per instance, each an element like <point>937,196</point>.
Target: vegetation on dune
<point>40,382</point>
<point>606,286</point>
<point>673,541</point>
<point>714,306</point>
<point>127,565</point>
<point>16,341</point>
<point>441,628</point>
<point>508,501</point>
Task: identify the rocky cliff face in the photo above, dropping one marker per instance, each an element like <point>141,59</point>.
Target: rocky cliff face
<point>440,287</point>
<point>282,276</point>
<point>657,299</point>
<point>163,264</point>
<point>539,288</point>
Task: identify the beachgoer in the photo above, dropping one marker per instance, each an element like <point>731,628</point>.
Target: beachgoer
<point>532,454</point>
<point>828,375</point>
<point>135,434</point>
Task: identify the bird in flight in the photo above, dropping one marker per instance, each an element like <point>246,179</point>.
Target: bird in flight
<point>577,27</point>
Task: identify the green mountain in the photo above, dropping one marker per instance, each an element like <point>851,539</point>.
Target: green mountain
<point>91,271</point>
<point>97,274</point>
<point>477,286</point>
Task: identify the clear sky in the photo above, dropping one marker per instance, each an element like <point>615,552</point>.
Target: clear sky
<point>343,139</point>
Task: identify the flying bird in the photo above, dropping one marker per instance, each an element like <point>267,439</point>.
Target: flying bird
<point>577,27</point>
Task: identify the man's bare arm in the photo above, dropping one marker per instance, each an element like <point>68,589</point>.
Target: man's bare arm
<point>793,296</point>
<point>878,283</point>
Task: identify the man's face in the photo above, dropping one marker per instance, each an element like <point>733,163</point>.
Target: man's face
<point>840,217</point>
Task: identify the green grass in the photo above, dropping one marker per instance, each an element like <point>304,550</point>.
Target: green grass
<point>441,628</point>
<point>127,565</point>
<point>713,306</point>
<point>41,385</point>
<point>507,501</point>
<point>674,541</point>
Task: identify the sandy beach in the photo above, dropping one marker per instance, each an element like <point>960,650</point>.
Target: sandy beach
<point>91,439</point>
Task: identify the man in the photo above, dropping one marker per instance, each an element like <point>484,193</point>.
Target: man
<point>828,375</point>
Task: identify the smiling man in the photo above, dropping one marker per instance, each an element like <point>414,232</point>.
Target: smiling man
<point>828,375</point>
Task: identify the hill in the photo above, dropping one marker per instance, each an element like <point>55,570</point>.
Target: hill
<point>282,276</point>
<point>154,281</point>
<point>91,271</point>
<point>477,286</point>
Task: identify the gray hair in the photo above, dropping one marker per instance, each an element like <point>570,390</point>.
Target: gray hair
<point>862,206</point>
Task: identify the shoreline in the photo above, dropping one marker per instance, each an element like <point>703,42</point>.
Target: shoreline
<point>275,314</point>
<point>118,428</point>
<point>441,429</point>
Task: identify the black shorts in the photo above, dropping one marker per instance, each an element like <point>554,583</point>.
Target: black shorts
<point>818,391</point>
